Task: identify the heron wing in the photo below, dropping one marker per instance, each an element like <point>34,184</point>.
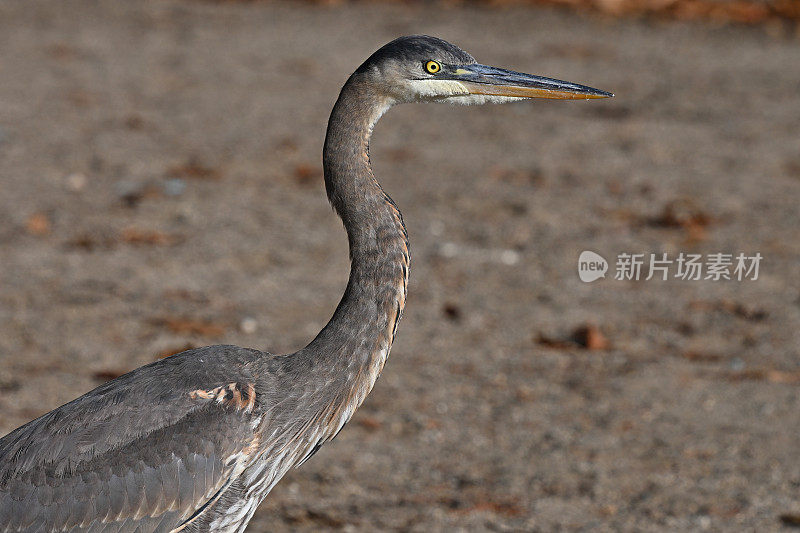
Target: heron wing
<point>145,451</point>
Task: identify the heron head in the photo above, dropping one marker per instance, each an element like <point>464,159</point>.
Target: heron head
<point>420,68</point>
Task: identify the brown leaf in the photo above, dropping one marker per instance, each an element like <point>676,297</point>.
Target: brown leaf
<point>591,338</point>
<point>307,174</point>
<point>61,51</point>
<point>524,393</point>
<point>587,336</point>
<point>81,98</point>
<point>552,342</point>
<point>492,505</point>
<point>148,237</point>
<point>188,326</point>
<point>451,311</point>
<point>725,11</point>
<point>325,520</point>
<point>771,375</point>
<point>517,176</point>
<point>399,154</point>
<point>133,194</point>
<point>783,376</point>
<point>738,309</point>
<point>432,423</point>
<point>134,122</point>
<point>288,144</point>
<point>693,452</point>
<point>38,224</point>
<point>193,169</point>
<point>107,374</point>
<point>750,374</point>
<point>89,242</point>
<point>369,423</point>
<point>701,357</point>
<point>790,519</point>
<point>608,510</point>
<point>39,367</point>
<point>463,369</point>
<point>685,214</point>
<point>9,385</point>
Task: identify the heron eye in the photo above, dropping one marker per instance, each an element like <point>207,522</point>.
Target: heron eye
<point>433,67</point>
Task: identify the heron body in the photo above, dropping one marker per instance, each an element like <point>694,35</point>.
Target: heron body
<point>196,441</point>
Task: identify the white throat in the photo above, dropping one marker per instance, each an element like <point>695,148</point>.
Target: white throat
<point>452,92</point>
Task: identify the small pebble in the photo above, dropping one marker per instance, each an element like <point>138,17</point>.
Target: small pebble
<point>509,257</point>
<point>38,224</point>
<point>736,364</point>
<point>129,191</point>
<point>174,187</point>
<point>436,228</point>
<point>248,325</point>
<point>125,188</point>
<point>76,181</point>
<point>449,249</point>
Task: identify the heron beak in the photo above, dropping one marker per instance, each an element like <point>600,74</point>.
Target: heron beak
<point>493,81</point>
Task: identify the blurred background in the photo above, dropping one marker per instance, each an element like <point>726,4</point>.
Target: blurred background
<point>161,188</point>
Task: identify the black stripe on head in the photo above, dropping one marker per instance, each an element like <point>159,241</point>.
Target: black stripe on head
<point>413,48</point>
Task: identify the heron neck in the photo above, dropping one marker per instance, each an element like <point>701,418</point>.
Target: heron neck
<point>362,328</point>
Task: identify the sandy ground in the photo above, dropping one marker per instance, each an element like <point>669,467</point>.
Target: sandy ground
<point>161,188</point>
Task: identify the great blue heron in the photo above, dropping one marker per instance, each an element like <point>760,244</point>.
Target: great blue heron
<point>194,442</point>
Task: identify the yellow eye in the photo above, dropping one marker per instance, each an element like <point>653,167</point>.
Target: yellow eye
<point>433,67</point>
